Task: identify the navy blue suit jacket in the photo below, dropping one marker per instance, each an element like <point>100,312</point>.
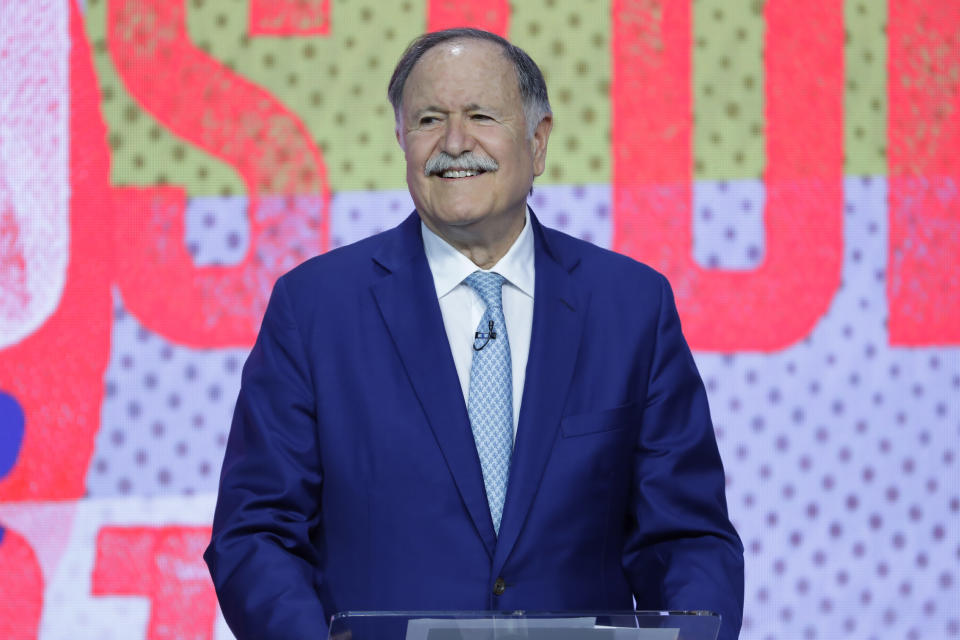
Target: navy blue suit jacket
<point>351,479</point>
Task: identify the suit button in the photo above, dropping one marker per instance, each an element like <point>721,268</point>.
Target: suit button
<point>499,587</point>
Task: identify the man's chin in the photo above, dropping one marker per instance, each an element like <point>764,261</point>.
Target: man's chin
<point>464,207</point>
<point>460,216</point>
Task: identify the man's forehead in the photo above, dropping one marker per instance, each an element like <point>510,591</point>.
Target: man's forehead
<point>458,47</point>
<point>454,47</point>
<point>428,74</point>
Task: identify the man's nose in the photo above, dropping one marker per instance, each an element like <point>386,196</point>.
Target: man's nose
<point>456,137</point>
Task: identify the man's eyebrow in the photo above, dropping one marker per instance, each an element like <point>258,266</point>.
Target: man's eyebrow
<point>427,108</point>
<point>473,106</point>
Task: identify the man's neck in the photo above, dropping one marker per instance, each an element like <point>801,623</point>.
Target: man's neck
<point>483,247</point>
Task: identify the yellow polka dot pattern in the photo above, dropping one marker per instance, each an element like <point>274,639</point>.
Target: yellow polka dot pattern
<point>865,87</point>
<point>570,40</point>
<point>143,151</point>
<point>337,86</point>
<point>727,89</point>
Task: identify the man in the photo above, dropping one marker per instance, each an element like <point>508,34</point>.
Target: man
<point>470,411</point>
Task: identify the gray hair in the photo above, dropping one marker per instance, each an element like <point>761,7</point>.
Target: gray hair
<point>533,88</point>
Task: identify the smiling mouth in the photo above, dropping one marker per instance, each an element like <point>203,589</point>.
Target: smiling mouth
<point>453,174</point>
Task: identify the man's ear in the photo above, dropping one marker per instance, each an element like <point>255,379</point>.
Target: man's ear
<point>396,132</point>
<point>538,144</point>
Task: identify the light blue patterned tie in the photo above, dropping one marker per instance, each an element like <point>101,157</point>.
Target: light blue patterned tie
<point>490,403</point>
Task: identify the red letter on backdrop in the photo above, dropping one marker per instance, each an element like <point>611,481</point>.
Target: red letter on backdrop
<point>204,102</point>
<point>923,269</point>
<point>289,17</point>
<point>21,589</point>
<point>56,373</point>
<point>493,15</point>
<point>164,565</point>
<point>778,303</point>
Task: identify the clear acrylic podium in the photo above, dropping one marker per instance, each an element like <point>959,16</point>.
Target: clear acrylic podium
<point>524,625</point>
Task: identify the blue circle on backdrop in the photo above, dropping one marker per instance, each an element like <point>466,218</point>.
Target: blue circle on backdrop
<point>11,431</point>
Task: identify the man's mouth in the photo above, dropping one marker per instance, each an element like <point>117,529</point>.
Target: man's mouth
<point>460,173</point>
<point>467,165</point>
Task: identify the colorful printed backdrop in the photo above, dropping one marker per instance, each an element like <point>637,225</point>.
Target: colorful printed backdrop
<point>792,167</point>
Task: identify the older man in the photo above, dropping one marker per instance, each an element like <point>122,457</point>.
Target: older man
<point>470,411</point>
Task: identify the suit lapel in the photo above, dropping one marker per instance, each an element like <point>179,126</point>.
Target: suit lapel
<point>555,341</point>
<point>408,303</point>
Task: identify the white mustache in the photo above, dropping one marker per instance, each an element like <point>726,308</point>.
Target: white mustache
<point>468,161</point>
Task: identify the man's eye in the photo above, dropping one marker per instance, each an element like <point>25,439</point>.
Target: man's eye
<point>427,120</point>
<point>480,116</point>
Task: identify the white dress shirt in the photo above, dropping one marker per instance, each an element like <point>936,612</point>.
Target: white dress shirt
<point>462,308</point>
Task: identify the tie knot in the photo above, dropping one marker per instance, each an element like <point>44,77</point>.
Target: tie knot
<point>488,285</point>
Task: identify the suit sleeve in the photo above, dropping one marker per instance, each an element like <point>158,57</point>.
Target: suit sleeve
<point>264,566</point>
<point>682,553</point>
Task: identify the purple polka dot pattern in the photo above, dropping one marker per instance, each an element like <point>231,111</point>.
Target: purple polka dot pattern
<point>354,215</point>
<point>728,224</point>
<point>841,464</point>
<point>166,413</point>
<point>841,451</point>
<point>216,229</point>
<point>580,210</point>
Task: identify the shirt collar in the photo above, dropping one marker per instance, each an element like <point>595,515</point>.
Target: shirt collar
<point>450,267</point>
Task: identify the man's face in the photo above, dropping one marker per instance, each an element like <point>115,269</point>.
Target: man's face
<point>462,99</point>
